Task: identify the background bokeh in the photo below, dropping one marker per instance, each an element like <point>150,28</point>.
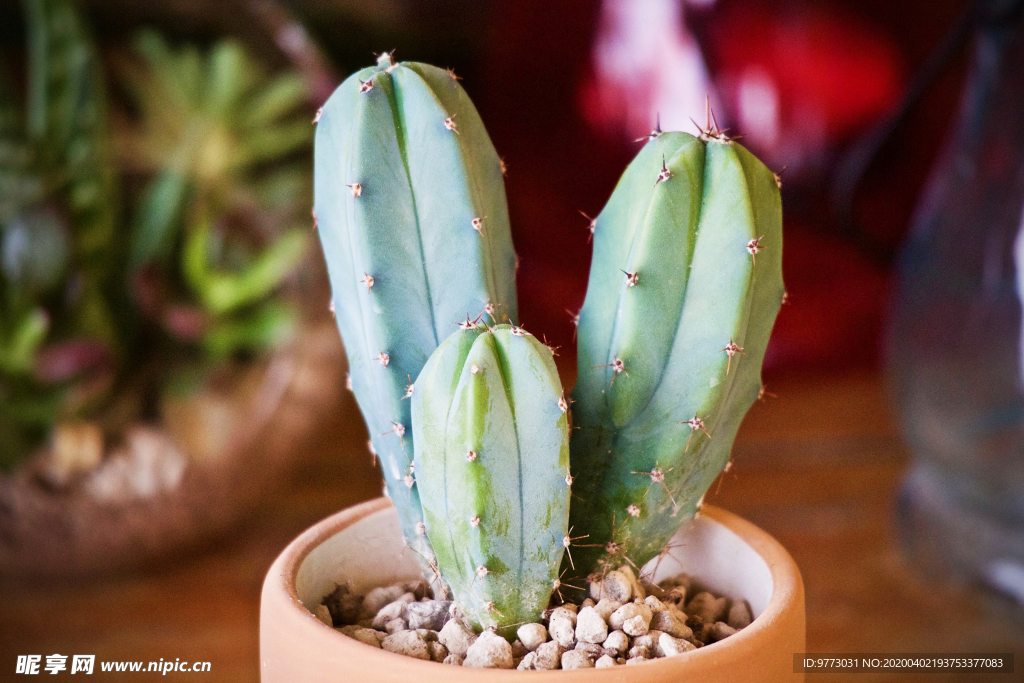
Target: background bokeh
<point>565,88</point>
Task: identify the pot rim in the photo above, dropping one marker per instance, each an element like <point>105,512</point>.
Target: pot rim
<point>787,591</point>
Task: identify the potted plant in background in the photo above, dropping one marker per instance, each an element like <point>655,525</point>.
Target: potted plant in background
<point>149,353</point>
<point>504,513</point>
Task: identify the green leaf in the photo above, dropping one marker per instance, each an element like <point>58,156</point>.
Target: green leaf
<point>282,95</point>
<point>224,292</point>
<point>269,327</point>
<point>17,356</point>
<point>158,217</point>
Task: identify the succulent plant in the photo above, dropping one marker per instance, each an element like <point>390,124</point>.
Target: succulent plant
<point>411,212</point>
<point>491,431</point>
<point>685,284</point>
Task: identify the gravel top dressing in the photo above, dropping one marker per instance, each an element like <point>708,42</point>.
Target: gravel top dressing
<point>624,621</point>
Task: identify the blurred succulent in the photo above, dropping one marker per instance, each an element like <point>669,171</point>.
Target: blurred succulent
<point>55,171</point>
<point>204,248</point>
<point>216,144</point>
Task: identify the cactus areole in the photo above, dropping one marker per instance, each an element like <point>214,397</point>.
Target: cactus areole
<point>465,409</point>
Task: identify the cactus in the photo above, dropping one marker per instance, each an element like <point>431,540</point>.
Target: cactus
<point>685,284</point>
<point>411,211</point>
<point>492,453</point>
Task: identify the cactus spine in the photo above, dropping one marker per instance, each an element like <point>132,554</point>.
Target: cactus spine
<point>411,211</point>
<point>492,453</point>
<point>685,284</point>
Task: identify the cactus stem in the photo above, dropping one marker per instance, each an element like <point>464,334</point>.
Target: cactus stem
<point>633,510</point>
<point>632,279</point>
<point>568,477</point>
<point>451,74</point>
<point>365,86</point>
<point>754,246</point>
<point>504,167</point>
<point>489,606</point>
<point>732,349</point>
<point>763,391</point>
<point>694,424</point>
<point>373,452</point>
<point>474,521</point>
<point>475,369</point>
<point>563,405</point>
<point>409,388</point>
<point>592,227</point>
<point>421,529</point>
<point>449,123</point>
<point>356,189</point>
<point>383,358</point>
<point>348,381</point>
<point>367,280</point>
<point>478,224</point>
<point>664,174</point>
<point>409,480</point>
<point>316,117</point>
<point>489,309</point>
<point>785,298</point>
<point>471,456</point>
<point>618,366</point>
<point>517,331</point>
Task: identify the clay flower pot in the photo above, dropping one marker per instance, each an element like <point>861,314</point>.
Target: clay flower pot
<point>363,545</point>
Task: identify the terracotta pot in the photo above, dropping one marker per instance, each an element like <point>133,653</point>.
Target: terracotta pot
<point>197,474</point>
<point>363,545</point>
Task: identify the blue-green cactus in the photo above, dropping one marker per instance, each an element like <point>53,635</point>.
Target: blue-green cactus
<point>492,455</point>
<point>410,205</point>
<point>685,284</point>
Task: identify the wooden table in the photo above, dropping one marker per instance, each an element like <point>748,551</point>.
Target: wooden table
<point>817,467</point>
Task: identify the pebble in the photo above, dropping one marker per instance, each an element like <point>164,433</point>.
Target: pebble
<point>606,606</point>
<point>706,606</point>
<point>407,643</point>
<point>574,659</point>
<point>721,631</point>
<point>393,610</point>
<point>438,652</point>
<point>634,619</point>
<point>617,641</point>
<point>670,623</point>
<point>518,649</point>
<point>456,637</point>
<point>590,626</point>
<point>592,650</point>
<point>654,603</point>
<point>490,651</point>
<point>363,635</point>
<point>429,614</point>
<point>674,646</point>
<point>605,662</point>
<point>636,660</point>
<point>548,656</point>
<point>739,614</point>
<point>396,625</point>
<point>615,586</point>
<point>639,651</point>
<point>454,659</point>
<point>323,614</point>
<point>527,662</point>
<point>344,605</point>
<point>562,627</point>
<point>587,602</point>
<point>532,635</point>
<point>378,597</point>
<point>637,587</point>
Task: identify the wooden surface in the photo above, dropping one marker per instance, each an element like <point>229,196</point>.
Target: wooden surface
<point>818,467</point>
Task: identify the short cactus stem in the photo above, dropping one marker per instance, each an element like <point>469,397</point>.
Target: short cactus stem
<point>492,447</point>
